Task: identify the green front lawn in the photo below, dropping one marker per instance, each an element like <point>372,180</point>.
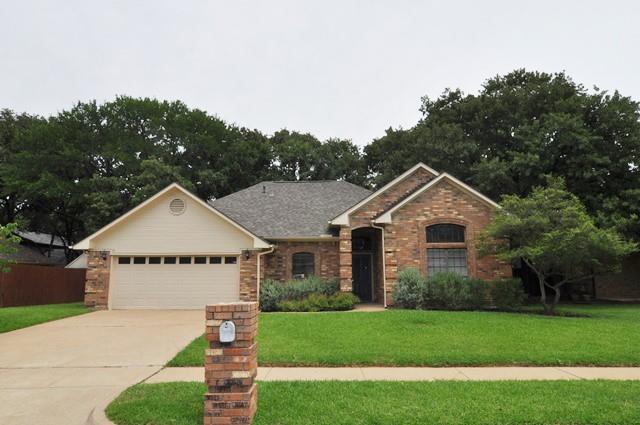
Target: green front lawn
<point>12,318</point>
<point>609,336</point>
<point>444,402</point>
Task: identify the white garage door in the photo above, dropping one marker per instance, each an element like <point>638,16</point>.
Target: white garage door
<point>188,282</point>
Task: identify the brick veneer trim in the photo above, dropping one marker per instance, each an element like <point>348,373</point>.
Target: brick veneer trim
<point>230,369</point>
<point>96,288</point>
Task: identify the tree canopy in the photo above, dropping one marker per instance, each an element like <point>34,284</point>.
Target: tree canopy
<point>552,233</point>
<point>521,127</point>
<point>75,171</point>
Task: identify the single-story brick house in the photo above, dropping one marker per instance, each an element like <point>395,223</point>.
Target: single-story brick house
<point>177,251</point>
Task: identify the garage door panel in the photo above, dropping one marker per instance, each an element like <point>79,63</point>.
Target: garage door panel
<point>173,286</point>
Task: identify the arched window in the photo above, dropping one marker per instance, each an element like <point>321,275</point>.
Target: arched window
<point>303,265</point>
<point>446,249</point>
<point>442,233</point>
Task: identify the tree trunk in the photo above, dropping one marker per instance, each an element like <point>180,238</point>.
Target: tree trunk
<point>549,309</point>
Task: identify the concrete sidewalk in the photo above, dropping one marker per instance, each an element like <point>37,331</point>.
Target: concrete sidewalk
<point>173,374</point>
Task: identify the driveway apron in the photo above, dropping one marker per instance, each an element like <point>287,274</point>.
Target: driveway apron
<point>67,371</point>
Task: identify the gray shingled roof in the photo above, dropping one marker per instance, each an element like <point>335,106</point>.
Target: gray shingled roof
<point>281,209</point>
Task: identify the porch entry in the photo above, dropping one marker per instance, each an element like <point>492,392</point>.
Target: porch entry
<point>366,264</point>
<point>362,275</point>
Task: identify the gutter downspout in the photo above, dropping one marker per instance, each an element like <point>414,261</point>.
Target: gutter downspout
<point>260,254</point>
<point>384,265</point>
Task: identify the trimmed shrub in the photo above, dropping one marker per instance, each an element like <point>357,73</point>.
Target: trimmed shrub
<point>343,301</point>
<point>298,294</point>
<point>410,290</point>
<point>479,293</point>
<point>450,290</point>
<point>507,294</point>
<point>271,293</point>
<point>320,302</point>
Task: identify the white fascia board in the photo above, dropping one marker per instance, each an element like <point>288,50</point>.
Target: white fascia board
<point>343,219</point>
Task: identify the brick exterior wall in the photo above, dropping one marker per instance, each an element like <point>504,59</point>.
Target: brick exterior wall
<point>345,260</point>
<point>362,218</point>
<point>405,238</point>
<point>96,289</point>
<point>278,264</point>
<point>249,276</point>
<point>621,286</point>
<point>230,369</point>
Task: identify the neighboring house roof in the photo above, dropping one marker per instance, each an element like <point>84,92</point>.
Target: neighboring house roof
<point>80,262</point>
<point>385,217</point>
<point>31,255</point>
<point>40,238</point>
<point>343,217</point>
<point>290,209</point>
<point>257,242</point>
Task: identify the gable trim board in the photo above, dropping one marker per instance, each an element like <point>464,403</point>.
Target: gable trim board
<point>85,244</point>
<point>386,217</point>
<point>343,219</point>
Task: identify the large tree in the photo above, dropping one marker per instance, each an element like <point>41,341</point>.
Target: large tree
<point>8,243</point>
<point>552,233</point>
<point>521,127</point>
<point>72,173</point>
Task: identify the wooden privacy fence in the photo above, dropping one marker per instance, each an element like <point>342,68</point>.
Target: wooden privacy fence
<point>33,285</point>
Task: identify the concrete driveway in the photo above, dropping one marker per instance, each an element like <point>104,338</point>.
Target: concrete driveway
<point>67,371</point>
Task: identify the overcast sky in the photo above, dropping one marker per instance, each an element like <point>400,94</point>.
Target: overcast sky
<point>347,69</point>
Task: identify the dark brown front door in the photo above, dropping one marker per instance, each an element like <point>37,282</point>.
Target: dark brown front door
<point>362,274</point>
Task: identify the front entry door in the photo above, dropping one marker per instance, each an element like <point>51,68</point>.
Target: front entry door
<point>362,274</point>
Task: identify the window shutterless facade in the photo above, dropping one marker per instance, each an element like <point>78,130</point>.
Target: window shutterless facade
<point>446,249</point>
<point>303,265</point>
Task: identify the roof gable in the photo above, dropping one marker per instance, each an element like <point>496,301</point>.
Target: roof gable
<point>386,217</point>
<point>86,243</point>
<point>343,218</point>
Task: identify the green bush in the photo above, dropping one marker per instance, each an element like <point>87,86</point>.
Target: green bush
<point>343,301</point>
<point>320,302</point>
<point>450,291</point>
<point>410,290</point>
<point>297,294</point>
<point>447,290</point>
<point>479,293</point>
<point>507,294</point>
<point>271,293</point>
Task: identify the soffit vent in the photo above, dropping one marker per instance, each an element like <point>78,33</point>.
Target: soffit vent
<point>177,206</point>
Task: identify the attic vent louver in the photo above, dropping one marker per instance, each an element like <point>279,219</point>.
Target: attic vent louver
<point>177,206</point>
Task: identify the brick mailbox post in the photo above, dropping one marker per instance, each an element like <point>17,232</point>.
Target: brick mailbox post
<point>230,367</point>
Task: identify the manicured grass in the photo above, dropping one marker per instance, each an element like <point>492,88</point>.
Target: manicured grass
<point>12,318</point>
<point>609,336</point>
<point>444,402</point>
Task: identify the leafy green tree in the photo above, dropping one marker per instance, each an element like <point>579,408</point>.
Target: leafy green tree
<point>552,233</point>
<point>521,127</point>
<point>12,128</point>
<point>8,242</point>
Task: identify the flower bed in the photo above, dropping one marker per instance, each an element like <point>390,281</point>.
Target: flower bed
<point>310,294</point>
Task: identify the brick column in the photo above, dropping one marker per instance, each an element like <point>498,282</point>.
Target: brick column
<point>249,277</point>
<point>230,369</point>
<point>96,287</point>
<point>346,285</point>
